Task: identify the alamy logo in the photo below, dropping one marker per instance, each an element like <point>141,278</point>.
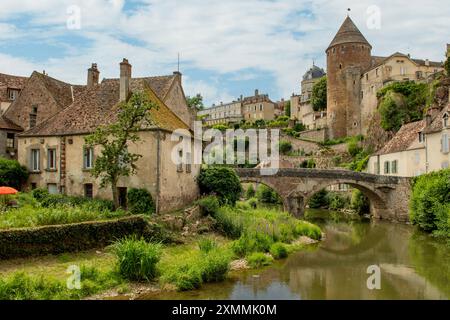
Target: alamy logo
<point>374,281</point>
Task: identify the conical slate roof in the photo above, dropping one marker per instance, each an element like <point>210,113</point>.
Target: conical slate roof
<point>348,33</point>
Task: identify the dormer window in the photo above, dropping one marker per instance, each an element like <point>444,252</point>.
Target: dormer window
<point>445,120</point>
<point>421,137</point>
<point>13,94</point>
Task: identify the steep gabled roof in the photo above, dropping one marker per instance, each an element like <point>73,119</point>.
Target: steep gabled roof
<point>378,61</point>
<point>7,124</point>
<point>98,105</point>
<point>438,122</point>
<point>348,33</point>
<point>404,138</point>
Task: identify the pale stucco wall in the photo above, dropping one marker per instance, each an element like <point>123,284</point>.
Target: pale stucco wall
<point>177,189</point>
<point>437,160</point>
<point>410,163</point>
<point>253,112</point>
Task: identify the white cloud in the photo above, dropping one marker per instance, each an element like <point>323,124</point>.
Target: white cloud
<point>279,37</point>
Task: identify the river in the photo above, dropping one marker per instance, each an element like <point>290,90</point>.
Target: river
<point>413,265</point>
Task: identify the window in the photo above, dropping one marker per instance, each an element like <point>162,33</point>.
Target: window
<point>375,168</point>
<point>445,165</point>
<point>446,123</point>
<point>10,140</point>
<point>51,159</point>
<point>88,158</point>
<point>402,71</point>
<point>88,190</point>
<point>188,163</point>
<point>33,120</point>
<point>445,143</point>
<point>417,157</point>
<point>376,72</point>
<point>35,160</point>
<point>394,167</point>
<point>421,137</point>
<point>386,167</point>
<point>52,188</point>
<point>260,107</point>
<point>180,165</point>
<point>33,185</point>
<point>13,94</point>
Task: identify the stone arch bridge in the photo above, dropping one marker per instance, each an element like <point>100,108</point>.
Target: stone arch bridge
<point>389,196</point>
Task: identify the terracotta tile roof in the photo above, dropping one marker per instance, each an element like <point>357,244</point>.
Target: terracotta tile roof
<point>378,61</point>
<point>96,106</point>
<point>348,33</point>
<point>9,81</point>
<point>438,124</point>
<point>63,93</point>
<point>7,124</point>
<point>404,138</point>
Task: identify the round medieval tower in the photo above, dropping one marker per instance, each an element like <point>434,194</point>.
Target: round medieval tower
<point>348,56</point>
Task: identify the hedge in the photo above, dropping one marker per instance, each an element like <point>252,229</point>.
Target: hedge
<point>58,239</point>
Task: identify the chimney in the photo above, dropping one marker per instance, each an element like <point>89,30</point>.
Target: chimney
<point>256,92</point>
<point>428,120</point>
<point>427,62</point>
<point>125,79</point>
<point>93,76</point>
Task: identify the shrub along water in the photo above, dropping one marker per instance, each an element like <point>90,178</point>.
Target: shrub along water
<point>137,259</point>
<point>430,202</point>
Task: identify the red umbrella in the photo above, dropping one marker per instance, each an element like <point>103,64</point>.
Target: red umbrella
<point>7,191</point>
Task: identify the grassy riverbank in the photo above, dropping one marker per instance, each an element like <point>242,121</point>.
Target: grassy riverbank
<point>263,235</point>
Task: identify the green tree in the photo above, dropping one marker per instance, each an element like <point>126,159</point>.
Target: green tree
<point>250,193</point>
<point>287,109</point>
<point>221,181</point>
<point>319,95</point>
<point>12,174</point>
<point>285,147</point>
<point>195,102</point>
<point>115,161</point>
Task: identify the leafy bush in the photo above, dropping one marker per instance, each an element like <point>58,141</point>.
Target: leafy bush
<point>185,277</point>
<point>278,250</point>
<point>258,260</point>
<point>403,102</point>
<point>303,228</point>
<point>285,147</point>
<point>360,203</point>
<point>140,201</point>
<point>353,148</point>
<point>220,127</point>
<point>250,193</point>
<point>12,174</point>
<point>319,95</point>
<point>431,193</point>
<point>267,195</point>
<point>299,127</point>
<point>337,201</point>
<point>319,200</point>
<point>59,200</point>
<point>39,194</point>
<point>137,259</point>
<point>209,205</point>
<point>214,266</point>
<point>221,181</point>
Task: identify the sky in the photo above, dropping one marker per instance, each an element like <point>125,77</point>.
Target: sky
<point>227,48</point>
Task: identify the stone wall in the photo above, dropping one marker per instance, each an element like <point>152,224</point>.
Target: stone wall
<point>315,135</point>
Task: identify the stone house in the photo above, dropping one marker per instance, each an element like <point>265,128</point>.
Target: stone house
<point>40,98</point>
<point>258,107</point>
<point>301,107</point>
<point>56,155</point>
<point>10,88</point>
<point>404,155</point>
<point>438,141</point>
<point>225,113</point>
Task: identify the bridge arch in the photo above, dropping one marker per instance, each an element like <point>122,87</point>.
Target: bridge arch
<point>271,185</point>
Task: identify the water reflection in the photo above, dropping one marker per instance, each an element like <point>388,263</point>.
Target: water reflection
<point>413,266</point>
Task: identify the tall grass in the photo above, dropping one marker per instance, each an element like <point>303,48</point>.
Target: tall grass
<point>34,212</point>
<point>137,259</point>
<point>201,267</point>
